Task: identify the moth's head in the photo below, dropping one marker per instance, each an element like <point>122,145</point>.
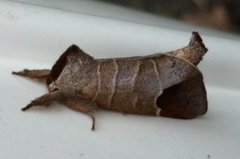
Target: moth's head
<point>52,87</point>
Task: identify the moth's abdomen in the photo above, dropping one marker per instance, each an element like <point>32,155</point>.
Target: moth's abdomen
<point>128,85</point>
<point>134,85</point>
<point>107,71</point>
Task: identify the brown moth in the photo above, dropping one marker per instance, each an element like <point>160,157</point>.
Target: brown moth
<point>167,84</point>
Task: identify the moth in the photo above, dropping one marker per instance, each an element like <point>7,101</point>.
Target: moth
<point>168,84</point>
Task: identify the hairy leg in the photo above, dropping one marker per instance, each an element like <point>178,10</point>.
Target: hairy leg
<point>44,100</point>
<point>35,74</point>
<point>83,105</point>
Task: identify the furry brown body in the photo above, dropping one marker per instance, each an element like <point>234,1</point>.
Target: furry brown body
<point>161,84</point>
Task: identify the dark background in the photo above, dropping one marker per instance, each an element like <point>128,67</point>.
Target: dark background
<point>219,14</point>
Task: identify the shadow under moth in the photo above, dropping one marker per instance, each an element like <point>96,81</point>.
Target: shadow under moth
<point>168,84</point>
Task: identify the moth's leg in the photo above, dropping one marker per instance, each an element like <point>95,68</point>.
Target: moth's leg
<point>44,100</point>
<point>83,105</point>
<point>35,74</point>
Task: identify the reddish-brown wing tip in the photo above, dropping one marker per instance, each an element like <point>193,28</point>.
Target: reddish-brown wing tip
<point>197,41</point>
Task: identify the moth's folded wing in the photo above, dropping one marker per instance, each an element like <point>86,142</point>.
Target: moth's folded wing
<point>185,100</point>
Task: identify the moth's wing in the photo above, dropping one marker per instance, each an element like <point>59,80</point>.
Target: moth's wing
<point>185,100</point>
<point>73,52</point>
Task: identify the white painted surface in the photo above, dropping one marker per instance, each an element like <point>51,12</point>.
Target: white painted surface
<point>34,37</point>
<point>111,11</point>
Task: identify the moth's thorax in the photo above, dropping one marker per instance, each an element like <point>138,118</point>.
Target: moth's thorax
<point>78,77</point>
